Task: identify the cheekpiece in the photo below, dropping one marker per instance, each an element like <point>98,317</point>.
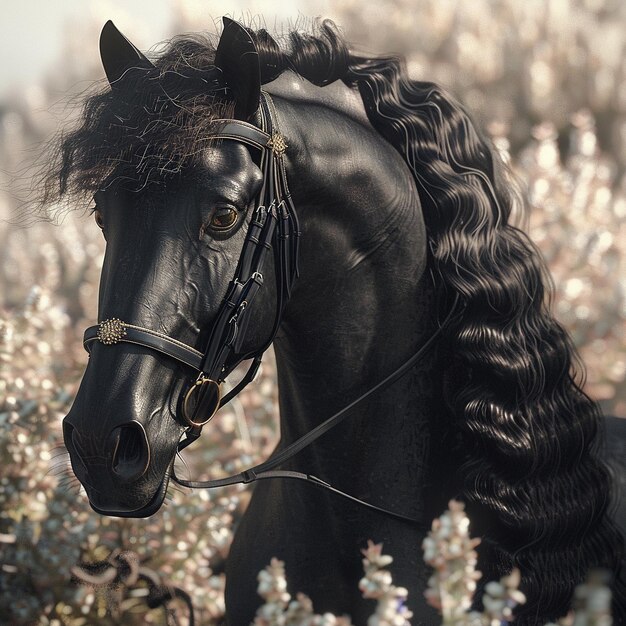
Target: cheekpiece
<point>111,331</point>
<point>277,144</point>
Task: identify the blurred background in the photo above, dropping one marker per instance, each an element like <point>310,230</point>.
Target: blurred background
<point>545,78</point>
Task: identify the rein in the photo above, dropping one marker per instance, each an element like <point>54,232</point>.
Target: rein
<point>266,469</point>
<point>274,226</point>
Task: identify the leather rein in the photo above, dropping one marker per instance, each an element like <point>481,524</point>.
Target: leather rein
<point>274,226</point>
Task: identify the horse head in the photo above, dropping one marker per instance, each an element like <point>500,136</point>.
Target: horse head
<point>168,262</point>
<point>198,271</point>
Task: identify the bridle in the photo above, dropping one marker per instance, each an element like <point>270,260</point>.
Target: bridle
<point>274,226</point>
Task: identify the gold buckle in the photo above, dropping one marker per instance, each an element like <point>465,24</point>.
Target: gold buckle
<point>213,388</point>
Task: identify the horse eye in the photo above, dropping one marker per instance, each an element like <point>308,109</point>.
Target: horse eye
<point>98,217</point>
<point>223,218</point>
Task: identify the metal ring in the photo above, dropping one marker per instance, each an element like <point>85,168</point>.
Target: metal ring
<point>187,415</point>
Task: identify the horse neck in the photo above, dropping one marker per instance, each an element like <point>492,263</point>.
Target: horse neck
<point>362,304</point>
<point>335,349</point>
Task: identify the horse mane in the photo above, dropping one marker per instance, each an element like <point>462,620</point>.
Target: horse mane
<point>529,435</point>
<point>143,133</point>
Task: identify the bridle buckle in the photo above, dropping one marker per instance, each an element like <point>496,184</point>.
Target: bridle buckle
<point>202,398</point>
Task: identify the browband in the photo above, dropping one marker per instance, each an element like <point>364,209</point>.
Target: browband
<point>243,132</point>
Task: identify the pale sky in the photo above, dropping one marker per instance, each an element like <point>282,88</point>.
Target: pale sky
<point>32,32</point>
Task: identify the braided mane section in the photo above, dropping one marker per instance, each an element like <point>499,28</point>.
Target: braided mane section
<point>530,435</point>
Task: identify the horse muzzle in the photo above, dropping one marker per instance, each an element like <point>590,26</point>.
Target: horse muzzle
<point>116,473</point>
<point>148,509</point>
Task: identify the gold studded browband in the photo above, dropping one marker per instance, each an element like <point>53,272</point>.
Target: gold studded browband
<point>112,331</point>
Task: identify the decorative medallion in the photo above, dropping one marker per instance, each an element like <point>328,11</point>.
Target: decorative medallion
<point>277,144</point>
<point>111,331</point>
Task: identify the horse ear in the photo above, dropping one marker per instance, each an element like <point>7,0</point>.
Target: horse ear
<point>237,57</point>
<point>118,54</point>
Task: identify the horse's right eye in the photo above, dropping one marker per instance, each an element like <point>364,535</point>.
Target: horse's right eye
<point>224,218</point>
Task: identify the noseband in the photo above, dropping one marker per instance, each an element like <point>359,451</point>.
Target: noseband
<point>274,226</point>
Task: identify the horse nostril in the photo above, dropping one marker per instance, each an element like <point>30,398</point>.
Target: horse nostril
<point>131,456</point>
<point>74,446</point>
<point>69,432</point>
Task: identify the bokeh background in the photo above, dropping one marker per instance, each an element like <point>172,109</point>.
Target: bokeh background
<point>545,78</point>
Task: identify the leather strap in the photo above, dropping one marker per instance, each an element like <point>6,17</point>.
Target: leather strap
<point>273,224</point>
<point>150,339</point>
<point>314,480</point>
<point>266,470</point>
<point>242,132</point>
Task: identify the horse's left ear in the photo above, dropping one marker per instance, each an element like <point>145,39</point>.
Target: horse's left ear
<point>118,54</point>
<point>237,57</point>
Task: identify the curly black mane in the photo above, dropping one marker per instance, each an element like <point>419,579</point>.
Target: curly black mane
<point>143,132</point>
<point>529,433</point>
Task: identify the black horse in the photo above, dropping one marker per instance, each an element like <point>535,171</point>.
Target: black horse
<point>359,220</point>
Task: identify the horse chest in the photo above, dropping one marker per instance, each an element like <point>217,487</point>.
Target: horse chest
<point>319,539</point>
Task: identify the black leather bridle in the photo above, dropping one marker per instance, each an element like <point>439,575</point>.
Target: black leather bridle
<point>274,226</point>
